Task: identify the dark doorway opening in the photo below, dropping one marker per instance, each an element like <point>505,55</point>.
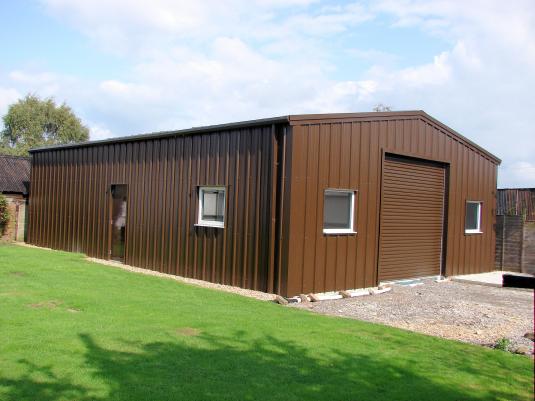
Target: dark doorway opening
<point>118,222</point>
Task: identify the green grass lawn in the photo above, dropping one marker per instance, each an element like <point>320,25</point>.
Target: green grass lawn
<point>75,330</point>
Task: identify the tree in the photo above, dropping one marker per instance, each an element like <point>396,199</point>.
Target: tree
<point>34,122</point>
<point>4,212</point>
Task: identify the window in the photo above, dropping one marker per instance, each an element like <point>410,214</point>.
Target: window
<point>472,222</point>
<point>338,211</point>
<point>211,206</point>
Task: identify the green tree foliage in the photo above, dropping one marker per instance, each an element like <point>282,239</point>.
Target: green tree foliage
<point>4,213</point>
<point>34,122</point>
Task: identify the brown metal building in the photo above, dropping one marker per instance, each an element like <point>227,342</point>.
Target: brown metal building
<point>293,204</point>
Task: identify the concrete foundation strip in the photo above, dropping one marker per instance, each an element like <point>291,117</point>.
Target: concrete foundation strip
<point>317,297</point>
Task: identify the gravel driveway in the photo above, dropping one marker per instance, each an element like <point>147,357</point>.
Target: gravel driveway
<point>466,312</point>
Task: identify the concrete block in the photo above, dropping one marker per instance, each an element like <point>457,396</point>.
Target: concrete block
<point>281,300</point>
<point>313,297</point>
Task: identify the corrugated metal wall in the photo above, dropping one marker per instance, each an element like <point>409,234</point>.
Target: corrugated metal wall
<point>348,153</point>
<point>273,239</point>
<point>70,203</point>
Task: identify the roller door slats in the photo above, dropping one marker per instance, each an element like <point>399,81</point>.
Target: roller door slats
<point>402,262</point>
<point>425,216</point>
<point>410,251</point>
<point>414,196</point>
<point>428,175</point>
<point>414,201</point>
<point>406,218</point>
<point>413,271</point>
<point>412,167</point>
<point>413,230</point>
<point>423,199</point>
<point>417,271</point>
<point>424,184</point>
<point>412,220</point>
<point>408,276</point>
<point>397,266</point>
<point>414,213</point>
<point>408,266</point>
<point>396,180</point>
<point>421,241</point>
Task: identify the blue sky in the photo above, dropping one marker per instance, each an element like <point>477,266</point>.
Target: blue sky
<point>129,66</point>
<point>38,42</point>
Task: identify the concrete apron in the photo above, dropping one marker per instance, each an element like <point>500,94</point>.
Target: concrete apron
<point>491,279</point>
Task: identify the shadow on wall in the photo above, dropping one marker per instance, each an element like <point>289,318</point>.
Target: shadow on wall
<point>214,368</point>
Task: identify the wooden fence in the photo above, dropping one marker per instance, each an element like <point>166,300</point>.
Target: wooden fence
<point>515,230</point>
<point>516,202</point>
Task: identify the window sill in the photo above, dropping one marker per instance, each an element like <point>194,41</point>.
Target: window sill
<point>338,232</point>
<point>472,232</point>
<point>209,225</point>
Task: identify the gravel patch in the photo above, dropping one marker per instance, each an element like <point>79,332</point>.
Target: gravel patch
<point>465,312</point>
<point>200,283</point>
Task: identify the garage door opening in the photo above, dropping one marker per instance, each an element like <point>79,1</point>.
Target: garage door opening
<point>411,241</point>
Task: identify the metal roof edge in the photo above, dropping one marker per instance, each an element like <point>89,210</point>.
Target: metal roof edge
<point>357,115</point>
<point>15,157</point>
<point>167,134</point>
<point>275,120</point>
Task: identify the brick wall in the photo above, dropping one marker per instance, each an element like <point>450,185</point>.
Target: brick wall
<point>15,229</point>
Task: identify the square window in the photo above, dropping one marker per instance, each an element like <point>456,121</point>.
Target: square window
<point>472,222</point>
<point>338,211</point>
<point>211,206</point>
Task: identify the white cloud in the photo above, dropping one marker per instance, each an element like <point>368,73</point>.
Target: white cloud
<point>97,132</point>
<point>481,86</point>
<point>7,97</point>
<point>519,174</point>
<point>209,61</point>
<point>126,91</point>
<point>32,79</point>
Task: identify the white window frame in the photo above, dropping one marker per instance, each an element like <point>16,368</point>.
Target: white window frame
<point>211,223</point>
<point>479,209</point>
<point>350,230</point>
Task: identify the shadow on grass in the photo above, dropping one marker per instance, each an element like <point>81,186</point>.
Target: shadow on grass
<point>217,368</point>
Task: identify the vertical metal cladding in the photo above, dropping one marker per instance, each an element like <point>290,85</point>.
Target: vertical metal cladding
<point>275,174</point>
<point>348,152</point>
<point>70,202</point>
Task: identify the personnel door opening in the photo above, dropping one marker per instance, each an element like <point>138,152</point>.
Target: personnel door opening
<point>118,222</point>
